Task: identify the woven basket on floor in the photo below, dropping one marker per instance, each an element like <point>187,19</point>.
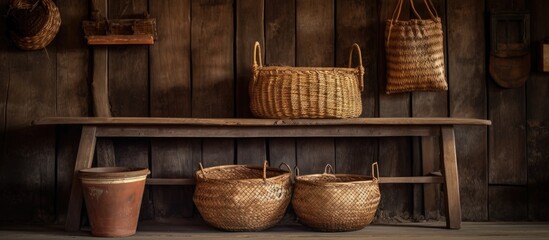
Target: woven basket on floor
<point>242,198</point>
<point>336,202</point>
<point>33,23</point>
<point>306,92</point>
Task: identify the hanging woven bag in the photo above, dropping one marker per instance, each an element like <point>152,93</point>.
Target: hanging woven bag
<point>415,52</point>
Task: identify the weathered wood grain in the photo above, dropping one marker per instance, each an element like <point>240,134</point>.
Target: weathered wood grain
<point>467,94</point>
<point>418,121</point>
<point>28,164</point>
<point>212,52</point>
<point>84,159</point>
<point>170,96</point>
<point>538,123</point>
<point>394,154</point>
<point>357,22</point>
<point>128,73</point>
<point>430,104</point>
<point>508,203</point>
<point>249,28</point>
<point>5,57</point>
<point>507,110</point>
<point>280,45</point>
<point>315,48</point>
<point>72,96</point>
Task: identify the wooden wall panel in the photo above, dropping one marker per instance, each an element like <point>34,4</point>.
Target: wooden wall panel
<point>212,39</point>
<point>5,56</point>
<point>170,96</point>
<point>29,160</point>
<point>538,123</point>
<point>280,49</point>
<point>73,95</point>
<point>249,28</point>
<point>315,48</point>
<point>508,203</point>
<point>129,92</point>
<point>357,22</point>
<point>507,110</point>
<point>427,197</point>
<point>467,94</point>
<point>394,153</point>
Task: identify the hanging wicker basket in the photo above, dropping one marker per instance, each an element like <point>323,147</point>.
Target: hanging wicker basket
<point>336,202</point>
<point>242,198</point>
<point>33,24</point>
<point>306,92</point>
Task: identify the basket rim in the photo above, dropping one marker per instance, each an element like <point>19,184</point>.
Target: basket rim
<point>265,68</point>
<point>367,179</point>
<point>283,173</point>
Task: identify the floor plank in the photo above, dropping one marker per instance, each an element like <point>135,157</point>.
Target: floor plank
<point>424,231</point>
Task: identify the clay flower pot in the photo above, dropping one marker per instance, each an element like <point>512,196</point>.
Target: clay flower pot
<point>113,198</point>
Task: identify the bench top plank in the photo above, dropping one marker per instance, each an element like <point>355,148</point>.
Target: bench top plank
<point>254,121</point>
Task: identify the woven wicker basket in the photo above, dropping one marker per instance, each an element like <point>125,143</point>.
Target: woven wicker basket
<point>242,198</point>
<point>415,52</point>
<point>336,202</point>
<point>34,24</point>
<point>306,92</point>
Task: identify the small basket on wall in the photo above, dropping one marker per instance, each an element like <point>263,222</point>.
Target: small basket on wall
<point>33,24</point>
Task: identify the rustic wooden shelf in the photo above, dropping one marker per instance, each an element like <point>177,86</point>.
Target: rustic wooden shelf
<point>94,127</point>
<point>120,39</point>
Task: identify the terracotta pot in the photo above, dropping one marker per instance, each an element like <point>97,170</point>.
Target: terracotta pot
<point>113,198</point>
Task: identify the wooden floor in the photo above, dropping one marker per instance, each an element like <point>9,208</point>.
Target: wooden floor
<point>424,231</point>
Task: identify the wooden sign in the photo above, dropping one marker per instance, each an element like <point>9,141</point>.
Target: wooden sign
<point>102,31</point>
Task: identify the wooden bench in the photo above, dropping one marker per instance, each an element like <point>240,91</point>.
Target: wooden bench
<point>94,127</point>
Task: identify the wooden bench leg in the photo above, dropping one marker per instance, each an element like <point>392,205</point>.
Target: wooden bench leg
<point>451,183</point>
<point>84,159</point>
<point>428,151</point>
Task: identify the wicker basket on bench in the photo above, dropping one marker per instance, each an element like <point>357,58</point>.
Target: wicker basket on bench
<point>306,92</point>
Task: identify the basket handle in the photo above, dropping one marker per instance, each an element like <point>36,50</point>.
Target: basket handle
<point>202,169</point>
<point>375,171</point>
<point>360,67</point>
<point>265,163</point>
<point>289,168</point>
<point>296,170</point>
<point>329,169</point>
<point>398,9</point>
<point>257,53</point>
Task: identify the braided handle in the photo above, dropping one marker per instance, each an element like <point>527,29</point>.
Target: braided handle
<point>398,10</point>
<point>360,67</point>
<point>257,53</point>
<point>375,171</point>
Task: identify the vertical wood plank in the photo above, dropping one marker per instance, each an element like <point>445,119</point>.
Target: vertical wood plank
<point>129,92</point>
<point>249,28</point>
<point>507,135</point>
<point>508,203</point>
<point>538,123</point>
<point>212,38</point>
<point>467,94</point>
<point>100,92</point>
<point>170,96</point>
<point>5,56</point>
<point>357,22</point>
<point>72,95</point>
<point>29,162</point>
<point>430,104</point>
<point>315,48</point>
<point>394,153</point>
<point>280,50</point>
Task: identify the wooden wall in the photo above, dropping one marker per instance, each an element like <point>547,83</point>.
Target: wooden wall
<point>200,67</point>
